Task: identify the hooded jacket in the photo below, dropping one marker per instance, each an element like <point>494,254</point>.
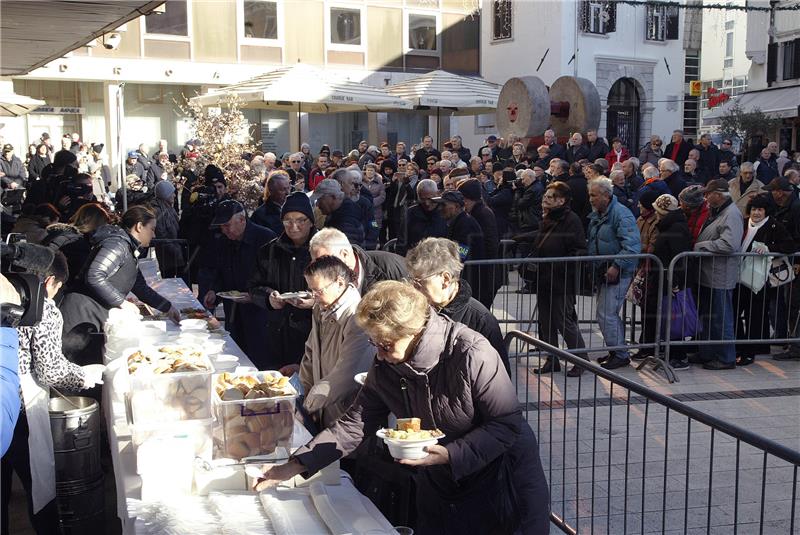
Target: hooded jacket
<point>336,350</point>
<point>454,382</point>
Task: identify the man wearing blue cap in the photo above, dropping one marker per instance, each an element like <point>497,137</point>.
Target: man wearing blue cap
<point>226,265</point>
<point>134,167</point>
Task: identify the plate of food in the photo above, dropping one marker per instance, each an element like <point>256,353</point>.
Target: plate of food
<point>235,295</point>
<point>408,440</point>
<point>294,295</point>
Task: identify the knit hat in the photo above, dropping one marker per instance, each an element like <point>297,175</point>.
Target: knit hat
<point>164,189</point>
<point>648,198</point>
<point>298,202</point>
<point>692,196</point>
<point>213,174</point>
<point>470,189</point>
<point>665,203</point>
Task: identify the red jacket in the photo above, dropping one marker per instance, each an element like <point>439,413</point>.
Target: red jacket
<point>696,220</point>
<point>314,177</point>
<point>611,157</point>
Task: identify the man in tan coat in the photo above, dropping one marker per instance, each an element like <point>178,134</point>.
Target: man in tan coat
<point>744,187</point>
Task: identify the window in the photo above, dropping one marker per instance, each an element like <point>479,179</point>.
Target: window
<point>662,23</point>
<point>729,24</point>
<point>260,19</point>
<point>791,59</point>
<point>598,17</point>
<point>501,20</point>
<point>173,21</point>
<point>729,44</point>
<point>345,26</point>
<point>422,33</point>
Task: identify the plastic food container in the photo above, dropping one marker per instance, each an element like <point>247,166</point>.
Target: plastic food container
<point>225,363</point>
<point>194,325</point>
<point>252,427</point>
<point>197,431</point>
<point>168,397</point>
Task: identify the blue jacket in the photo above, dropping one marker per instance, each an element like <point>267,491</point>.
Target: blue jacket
<point>615,233</point>
<point>658,185</point>
<point>350,219</point>
<point>9,378</point>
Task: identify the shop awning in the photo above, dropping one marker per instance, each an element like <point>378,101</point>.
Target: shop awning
<point>777,102</point>
<point>307,89</point>
<point>452,93</point>
<point>13,105</point>
<point>34,33</point>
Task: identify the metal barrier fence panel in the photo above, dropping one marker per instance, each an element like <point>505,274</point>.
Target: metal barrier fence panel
<point>568,297</point>
<point>621,458</point>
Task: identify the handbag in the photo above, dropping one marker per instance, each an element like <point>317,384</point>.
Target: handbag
<point>684,322</point>
<point>754,272</point>
<point>636,290</point>
<point>780,272</point>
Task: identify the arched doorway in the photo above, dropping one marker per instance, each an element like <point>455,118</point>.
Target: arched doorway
<point>622,114</point>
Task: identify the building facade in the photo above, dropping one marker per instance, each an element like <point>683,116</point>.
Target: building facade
<point>633,54</point>
<point>190,46</point>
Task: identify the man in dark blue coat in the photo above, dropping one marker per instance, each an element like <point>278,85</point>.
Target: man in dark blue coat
<point>226,266</point>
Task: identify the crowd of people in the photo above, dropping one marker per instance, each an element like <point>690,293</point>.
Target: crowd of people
<point>360,261</point>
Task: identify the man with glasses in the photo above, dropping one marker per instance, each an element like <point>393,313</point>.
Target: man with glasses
<point>726,154</point>
<point>435,270</point>
<point>422,219</point>
<point>133,166</point>
<point>225,265</point>
<point>370,267</point>
<point>652,152</point>
<point>295,170</point>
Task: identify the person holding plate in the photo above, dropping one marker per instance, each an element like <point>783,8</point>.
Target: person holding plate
<point>485,475</point>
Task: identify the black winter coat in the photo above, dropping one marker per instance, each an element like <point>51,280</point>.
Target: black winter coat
<point>676,183</point>
<point>577,153</point>
<point>379,266</point>
<point>683,152</point>
<point>674,237</point>
<point>491,277</point>
<point>455,382</point>
<point>279,266</point>
<point>500,201</point>
<point>598,149</point>
<point>420,224</point>
<point>526,210</point>
<point>467,310</point>
<point>268,215</point>
<point>36,165</point>
<point>709,159</point>
<point>773,234</point>
<point>75,247</point>
<point>110,273</point>
<point>789,217</point>
<point>580,198</point>
<point>349,219</point>
<point>561,234</point>
<point>467,233</point>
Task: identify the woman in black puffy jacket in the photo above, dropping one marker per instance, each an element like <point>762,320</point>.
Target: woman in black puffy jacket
<point>109,274</point>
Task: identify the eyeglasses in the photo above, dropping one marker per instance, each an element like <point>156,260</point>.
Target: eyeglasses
<point>417,281</point>
<point>386,348</point>
<point>320,291</point>
<point>295,222</point>
<point>295,161</point>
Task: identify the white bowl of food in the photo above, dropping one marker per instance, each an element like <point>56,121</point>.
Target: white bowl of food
<point>193,324</point>
<point>225,363</point>
<point>408,441</point>
<point>213,346</point>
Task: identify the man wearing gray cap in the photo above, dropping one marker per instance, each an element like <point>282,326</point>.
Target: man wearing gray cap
<point>695,208</point>
<point>340,212</point>
<point>722,235</point>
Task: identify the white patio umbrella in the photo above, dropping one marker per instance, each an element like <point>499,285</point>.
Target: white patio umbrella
<point>304,88</point>
<point>14,105</point>
<point>453,93</point>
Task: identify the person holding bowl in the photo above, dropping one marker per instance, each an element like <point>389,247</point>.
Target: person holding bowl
<point>485,475</point>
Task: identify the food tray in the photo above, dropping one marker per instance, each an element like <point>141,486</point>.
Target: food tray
<point>253,427</point>
<point>169,397</point>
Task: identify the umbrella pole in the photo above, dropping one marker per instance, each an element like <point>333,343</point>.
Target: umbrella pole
<point>438,126</point>
<point>299,128</point>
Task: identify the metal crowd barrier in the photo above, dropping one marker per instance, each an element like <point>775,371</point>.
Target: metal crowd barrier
<point>521,311</point>
<point>773,309</point>
<point>621,458</point>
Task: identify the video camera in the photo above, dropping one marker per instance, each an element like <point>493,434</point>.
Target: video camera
<point>21,264</point>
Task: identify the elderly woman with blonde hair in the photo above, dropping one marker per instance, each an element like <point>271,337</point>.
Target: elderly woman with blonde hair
<point>485,475</point>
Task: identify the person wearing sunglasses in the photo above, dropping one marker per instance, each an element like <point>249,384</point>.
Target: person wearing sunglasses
<point>484,475</point>
<point>337,348</point>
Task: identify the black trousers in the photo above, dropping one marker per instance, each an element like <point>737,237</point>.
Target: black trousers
<point>17,459</point>
<point>752,320</point>
<point>557,315</point>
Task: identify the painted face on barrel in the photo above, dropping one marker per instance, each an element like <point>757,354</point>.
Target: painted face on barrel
<point>513,111</point>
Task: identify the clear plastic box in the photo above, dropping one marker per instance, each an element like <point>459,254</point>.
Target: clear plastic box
<point>168,397</point>
<point>254,427</point>
<point>198,431</point>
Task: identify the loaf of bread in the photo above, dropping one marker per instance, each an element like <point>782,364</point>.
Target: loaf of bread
<point>409,424</point>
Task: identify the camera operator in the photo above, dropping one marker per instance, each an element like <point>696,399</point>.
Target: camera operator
<point>41,364</point>
<point>74,193</point>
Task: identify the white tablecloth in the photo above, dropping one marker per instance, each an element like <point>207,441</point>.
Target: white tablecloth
<point>128,483</point>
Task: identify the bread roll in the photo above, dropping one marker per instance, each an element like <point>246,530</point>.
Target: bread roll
<point>409,424</point>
